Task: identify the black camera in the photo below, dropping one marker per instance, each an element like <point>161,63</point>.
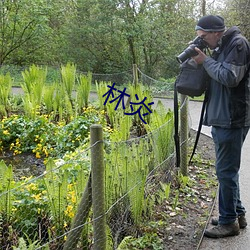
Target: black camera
<point>190,51</point>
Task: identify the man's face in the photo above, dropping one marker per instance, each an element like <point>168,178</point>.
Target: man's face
<point>211,38</point>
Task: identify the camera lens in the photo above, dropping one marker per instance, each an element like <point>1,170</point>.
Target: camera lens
<point>187,53</point>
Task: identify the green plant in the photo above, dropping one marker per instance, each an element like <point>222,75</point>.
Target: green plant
<point>29,244</point>
<point>83,90</point>
<point>147,241</point>
<point>43,137</point>
<point>176,199</point>
<point>56,184</point>
<point>184,181</point>
<point>161,128</point>
<point>48,98</point>
<point>6,196</point>
<point>139,93</point>
<point>34,81</point>
<point>5,90</point>
<point>126,172</point>
<point>30,207</point>
<point>164,191</point>
<point>68,74</point>
<point>102,89</point>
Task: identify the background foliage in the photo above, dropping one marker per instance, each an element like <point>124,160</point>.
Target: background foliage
<point>106,36</point>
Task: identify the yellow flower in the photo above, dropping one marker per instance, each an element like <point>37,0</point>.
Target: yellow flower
<point>45,151</point>
<point>69,211</point>
<point>6,132</point>
<point>73,199</point>
<point>31,187</point>
<point>37,196</point>
<point>14,209</point>
<point>38,156</point>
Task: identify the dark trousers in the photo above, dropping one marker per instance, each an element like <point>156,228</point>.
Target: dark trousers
<point>228,145</point>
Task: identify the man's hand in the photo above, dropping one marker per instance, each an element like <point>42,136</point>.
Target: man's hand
<point>200,58</point>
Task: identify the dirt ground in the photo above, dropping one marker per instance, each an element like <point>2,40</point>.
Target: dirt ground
<point>187,223</point>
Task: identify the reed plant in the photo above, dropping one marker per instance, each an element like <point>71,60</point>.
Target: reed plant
<point>137,94</point>
<point>34,80</point>
<point>62,106</point>
<point>56,184</point>
<point>68,75</point>
<point>6,184</point>
<point>161,129</point>
<point>5,90</point>
<point>48,97</point>
<point>57,192</point>
<point>122,126</point>
<point>102,88</point>
<point>83,90</point>
<point>126,172</point>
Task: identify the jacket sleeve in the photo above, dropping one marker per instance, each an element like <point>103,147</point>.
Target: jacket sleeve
<point>230,70</point>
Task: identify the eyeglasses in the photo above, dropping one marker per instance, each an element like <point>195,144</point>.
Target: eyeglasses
<point>203,36</point>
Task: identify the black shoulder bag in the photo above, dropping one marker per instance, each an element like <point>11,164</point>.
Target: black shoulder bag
<point>191,81</point>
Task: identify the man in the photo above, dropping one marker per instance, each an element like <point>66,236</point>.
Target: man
<point>228,112</point>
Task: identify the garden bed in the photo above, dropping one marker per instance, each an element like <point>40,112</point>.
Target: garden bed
<point>178,222</point>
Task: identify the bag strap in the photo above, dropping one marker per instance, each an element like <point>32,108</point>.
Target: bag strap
<point>176,126</point>
<point>199,127</point>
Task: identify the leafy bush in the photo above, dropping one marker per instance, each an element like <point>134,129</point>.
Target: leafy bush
<point>42,137</point>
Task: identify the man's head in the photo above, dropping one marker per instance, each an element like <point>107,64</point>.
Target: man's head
<point>211,28</point>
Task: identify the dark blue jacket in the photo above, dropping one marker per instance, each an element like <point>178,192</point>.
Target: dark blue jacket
<point>228,103</point>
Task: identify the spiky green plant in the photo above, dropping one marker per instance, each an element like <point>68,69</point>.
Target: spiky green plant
<point>6,184</point>
<point>68,74</point>
<point>126,171</point>
<point>83,90</point>
<point>122,124</point>
<point>141,92</point>
<point>161,130</point>
<point>56,185</point>
<point>29,245</point>
<point>102,89</point>
<point>62,106</point>
<point>5,90</point>
<point>33,85</point>
<point>48,98</point>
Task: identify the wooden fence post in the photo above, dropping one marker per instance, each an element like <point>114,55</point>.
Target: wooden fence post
<point>98,195</point>
<point>184,135</point>
<point>135,74</point>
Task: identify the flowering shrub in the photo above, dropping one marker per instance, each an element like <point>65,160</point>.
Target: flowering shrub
<point>43,137</point>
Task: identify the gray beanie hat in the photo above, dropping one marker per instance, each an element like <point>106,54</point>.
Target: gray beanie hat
<point>210,23</point>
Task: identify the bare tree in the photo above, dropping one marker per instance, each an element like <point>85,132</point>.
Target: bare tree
<point>20,22</point>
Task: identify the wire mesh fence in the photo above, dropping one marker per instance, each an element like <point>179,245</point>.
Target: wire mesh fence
<point>45,211</point>
<point>55,210</point>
